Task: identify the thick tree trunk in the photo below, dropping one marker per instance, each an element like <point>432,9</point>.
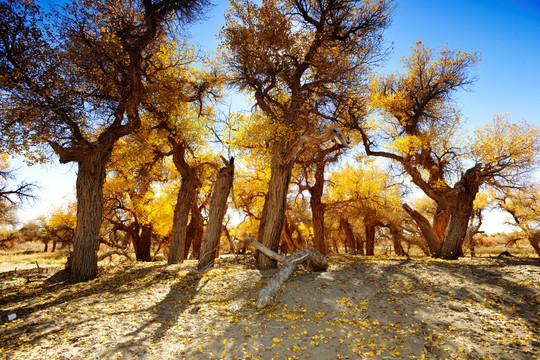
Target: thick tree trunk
<point>426,229</point>
<point>461,211</point>
<point>218,205</point>
<point>370,239</point>
<point>186,197</point>
<point>142,242</point>
<point>273,214</point>
<point>456,231</point>
<point>90,179</point>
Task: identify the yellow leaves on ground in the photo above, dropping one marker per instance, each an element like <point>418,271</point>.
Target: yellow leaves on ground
<point>376,308</point>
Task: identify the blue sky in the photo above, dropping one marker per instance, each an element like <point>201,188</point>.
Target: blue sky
<point>506,32</point>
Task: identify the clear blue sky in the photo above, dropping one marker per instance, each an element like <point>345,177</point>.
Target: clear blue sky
<point>506,32</point>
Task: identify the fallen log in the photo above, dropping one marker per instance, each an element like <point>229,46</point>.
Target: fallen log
<point>315,259</point>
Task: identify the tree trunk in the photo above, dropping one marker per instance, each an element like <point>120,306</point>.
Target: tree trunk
<point>186,197</point>
<point>317,210</point>
<point>194,232</point>
<point>287,244</point>
<point>534,239</point>
<point>350,241</point>
<point>273,213</point>
<point>396,239</point>
<point>370,222</point>
<point>426,229</point>
<point>218,205</point>
<point>190,229</point>
<point>461,211</point>
<point>440,223</point>
<point>90,179</point>
<point>142,242</point>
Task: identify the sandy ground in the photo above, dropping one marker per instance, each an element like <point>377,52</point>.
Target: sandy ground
<point>361,308</point>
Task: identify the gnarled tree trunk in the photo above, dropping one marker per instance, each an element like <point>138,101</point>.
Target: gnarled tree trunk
<point>218,205</point>
<point>461,211</point>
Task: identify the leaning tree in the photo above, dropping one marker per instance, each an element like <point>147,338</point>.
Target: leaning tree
<point>419,126</point>
<point>300,60</point>
<point>74,83</point>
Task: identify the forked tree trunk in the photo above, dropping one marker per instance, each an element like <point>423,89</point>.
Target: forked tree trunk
<point>186,197</point>
<point>90,179</point>
<point>273,214</point>
<point>218,205</point>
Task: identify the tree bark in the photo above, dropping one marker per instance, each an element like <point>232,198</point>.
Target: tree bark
<point>317,209</point>
<point>396,239</point>
<point>461,211</point>
<point>218,205</point>
<point>273,213</point>
<point>90,180</point>
<point>194,232</point>
<point>287,245</point>
<point>186,197</point>
<point>440,222</point>
<point>426,229</point>
<point>369,229</point>
<point>534,239</point>
<point>142,242</point>
<point>351,245</point>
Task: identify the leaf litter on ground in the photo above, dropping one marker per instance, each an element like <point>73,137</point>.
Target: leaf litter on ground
<point>381,308</point>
